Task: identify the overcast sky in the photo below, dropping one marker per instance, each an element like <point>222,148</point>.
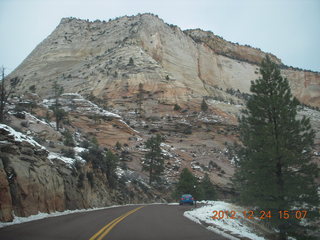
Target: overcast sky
<point>290,29</point>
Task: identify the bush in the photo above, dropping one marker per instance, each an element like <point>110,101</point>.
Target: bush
<point>176,107</point>
<point>187,130</point>
<point>32,88</point>
<point>85,144</point>
<point>118,146</point>
<point>20,115</point>
<point>68,153</point>
<point>204,106</point>
<point>131,62</point>
<point>104,160</point>
<point>68,141</point>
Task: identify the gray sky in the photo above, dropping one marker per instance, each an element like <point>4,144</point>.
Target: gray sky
<point>290,29</point>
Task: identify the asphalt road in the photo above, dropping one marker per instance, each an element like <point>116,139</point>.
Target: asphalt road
<point>149,222</point>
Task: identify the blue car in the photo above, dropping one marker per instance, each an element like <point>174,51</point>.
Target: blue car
<point>186,198</point>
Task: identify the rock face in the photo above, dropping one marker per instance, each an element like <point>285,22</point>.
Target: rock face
<point>178,66</point>
<point>31,182</point>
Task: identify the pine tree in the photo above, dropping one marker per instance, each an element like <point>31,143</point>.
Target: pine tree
<point>188,184</point>
<point>4,95</point>
<point>209,192</point>
<point>58,112</point>
<point>204,106</point>
<point>153,162</point>
<point>106,161</point>
<point>111,163</point>
<point>140,98</point>
<point>131,62</point>
<point>274,171</point>
<point>176,107</point>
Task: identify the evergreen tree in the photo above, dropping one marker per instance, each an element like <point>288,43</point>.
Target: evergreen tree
<point>188,184</point>
<point>68,141</point>
<point>209,192</point>
<point>106,161</point>
<point>275,172</point>
<point>58,112</point>
<point>112,162</point>
<point>204,106</point>
<point>140,98</point>
<point>131,62</point>
<point>153,162</point>
<point>4,95</point>
<point>176,107</point>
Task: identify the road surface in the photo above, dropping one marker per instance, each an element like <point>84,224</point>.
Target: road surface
<point>149,222</point>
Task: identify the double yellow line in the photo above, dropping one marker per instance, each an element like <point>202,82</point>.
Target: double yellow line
<point>107,228</point>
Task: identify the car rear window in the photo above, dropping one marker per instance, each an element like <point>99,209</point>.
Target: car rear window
<point>186,195</point>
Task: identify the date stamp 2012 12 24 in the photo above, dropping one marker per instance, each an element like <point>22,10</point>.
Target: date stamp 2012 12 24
<point>222,214</point>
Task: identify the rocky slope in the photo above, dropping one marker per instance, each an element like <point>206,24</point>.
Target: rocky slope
<point>37,177</point>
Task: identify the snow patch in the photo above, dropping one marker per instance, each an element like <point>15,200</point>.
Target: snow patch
<point>20,137</point>
<point>234,226</point>
<point>40,215</point>
<point>55,156</point>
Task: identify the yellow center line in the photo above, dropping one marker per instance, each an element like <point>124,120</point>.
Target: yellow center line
<point>107,228</point>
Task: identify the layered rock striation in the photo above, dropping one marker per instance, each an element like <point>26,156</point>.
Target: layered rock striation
<point>178,66</point>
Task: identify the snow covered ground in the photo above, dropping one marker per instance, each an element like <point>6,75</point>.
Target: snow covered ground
<point>18,220</point>
<point>20,137</point>
<point>236,227</point>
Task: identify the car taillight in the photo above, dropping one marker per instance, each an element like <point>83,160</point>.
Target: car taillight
<point>182,198</point>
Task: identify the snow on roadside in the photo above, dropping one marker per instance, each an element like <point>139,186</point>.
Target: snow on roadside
<point>20,137</point>
<point>234,226</point>
<point>40,215</point>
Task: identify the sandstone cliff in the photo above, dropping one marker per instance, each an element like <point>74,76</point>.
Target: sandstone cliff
<point>179,66</point>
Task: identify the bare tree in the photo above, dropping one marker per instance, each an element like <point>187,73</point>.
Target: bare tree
<point>4,95</point>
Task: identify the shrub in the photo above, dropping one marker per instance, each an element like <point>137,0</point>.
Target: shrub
<point>118,146</point>
<point>32,88</point>
<point>204,106</point>
<point>85,144</point>
<point>187,130</point>
<point>131,62</point>
<point>68,141</point>
<point>176,107</point>
<point>68,153</point>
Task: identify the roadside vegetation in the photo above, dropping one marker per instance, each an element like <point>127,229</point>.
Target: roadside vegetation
<point>275,172</point>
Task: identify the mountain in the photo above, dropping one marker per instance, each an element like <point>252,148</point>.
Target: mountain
<point>101,66</point>
<point>177,66</point>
